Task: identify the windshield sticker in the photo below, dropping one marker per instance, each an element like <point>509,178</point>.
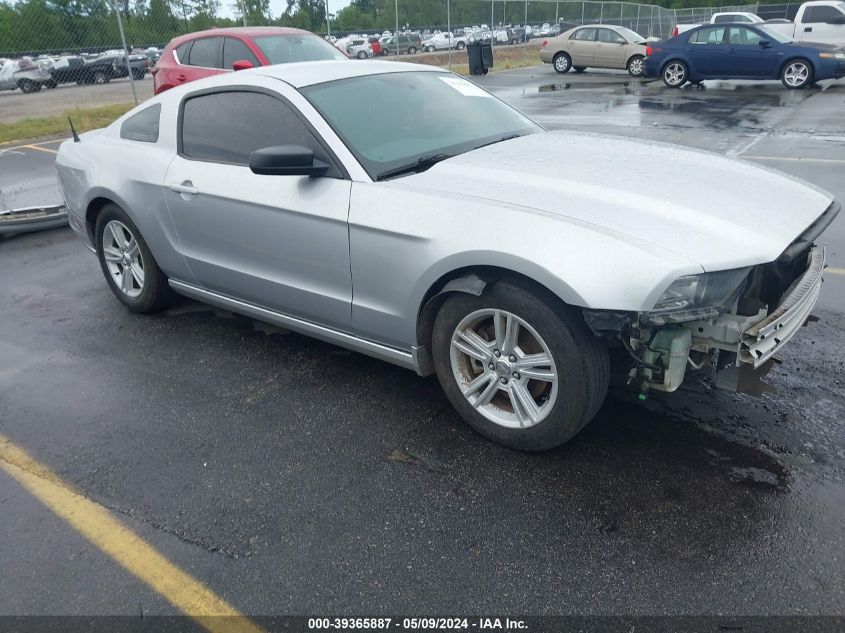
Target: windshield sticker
<point>466,88</point>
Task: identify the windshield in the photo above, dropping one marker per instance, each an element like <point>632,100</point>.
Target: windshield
<point>631,36</point>
<point>775,35</point>
<point>393,120</point>
<point>282,49</point>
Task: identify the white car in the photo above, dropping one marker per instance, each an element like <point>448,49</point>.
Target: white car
<point>444,41</point>
<point>409,236</point>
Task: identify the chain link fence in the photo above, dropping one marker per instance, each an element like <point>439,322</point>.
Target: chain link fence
<point>80,53</point>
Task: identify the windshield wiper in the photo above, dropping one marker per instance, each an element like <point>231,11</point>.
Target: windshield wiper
<point>421,164</point>
<point>499,140</point>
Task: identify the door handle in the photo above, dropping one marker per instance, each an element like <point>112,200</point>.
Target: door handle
<point>808,29</point>
<point>180,77</point>
<point>185,188</point>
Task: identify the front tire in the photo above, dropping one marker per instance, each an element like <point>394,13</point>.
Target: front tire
<point>100,78</point>
<point>636,66</point>
<point>675,74</point>
<point>362,55</point>
<point>797,74</point>
<point>579,69</point>
<point>127,263</point>
<point>461,46</point>
<point>412,50</point>
<point>562,63</point>
<point>522,369</point>
<point>27,86</point>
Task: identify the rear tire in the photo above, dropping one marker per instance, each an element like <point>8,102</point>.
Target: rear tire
<point>100,78</point>
<point>461,46</point>
<point>412,50</point>
<point>562,63</point>
<point>127,263</point>
<point>27,86</point>
<point>675,74</point>
<point>796,74</point>
<point>362,55</point>
<point>502,402</point>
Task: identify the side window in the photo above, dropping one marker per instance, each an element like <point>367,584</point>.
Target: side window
<point>234,50</point>
<point>816,15</point>
<point>205,52</point>
<point>743,37</point>
<point>214,128</point>
<point>708,36</point>
<point>181,52</point>
<point>584,35</point>
<point>610,37</point>
<point>142,126</point>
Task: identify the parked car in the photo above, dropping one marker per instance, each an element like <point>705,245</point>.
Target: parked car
<point>399,44</point>
<point>523,310</point>
<point>444,41</point>
<point>742,51</point>
<point>359,48</point>
<point>737,17</point>
<point>26,75</point>
<point>599,46</point>
<point>820,21</point>
<point>206,53</point>
<point>375,45</point>
<point>98,68</point>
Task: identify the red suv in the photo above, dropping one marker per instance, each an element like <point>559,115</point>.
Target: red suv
<point>205,53</point>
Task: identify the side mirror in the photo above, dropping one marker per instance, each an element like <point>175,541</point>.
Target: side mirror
<point>764,43</point>
<point>242,64</point>
<point>286,160</point>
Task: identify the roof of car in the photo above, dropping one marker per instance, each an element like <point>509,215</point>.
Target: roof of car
<point>303,74</point>
<point>246,31</point>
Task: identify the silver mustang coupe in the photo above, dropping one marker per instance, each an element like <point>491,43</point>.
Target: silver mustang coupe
<point>403,212</point>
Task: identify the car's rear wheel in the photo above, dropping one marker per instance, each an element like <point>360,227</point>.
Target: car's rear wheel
<point>362,55</point>
<point>429,49</point>
<point>675,74</point>
<point>562,63</point>
<point>127,263</point>
<point>100,78</point>
<point>461,46</point>
<point>636,66</point>
<point>797,73</point>
<point>137,74</point>
<point>521,369</point>
<point>27,86</point>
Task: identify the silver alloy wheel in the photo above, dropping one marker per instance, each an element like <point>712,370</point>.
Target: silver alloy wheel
<point>561,63</point>
<point>796,74</point>
<point>504,368</point>
<point>635,68</point>
<point>123,258</point>
<point>675,74</point>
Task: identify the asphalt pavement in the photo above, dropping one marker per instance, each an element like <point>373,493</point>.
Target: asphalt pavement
<point>293,477</point>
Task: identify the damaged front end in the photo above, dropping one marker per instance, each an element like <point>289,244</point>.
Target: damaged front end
<point>742,316</point>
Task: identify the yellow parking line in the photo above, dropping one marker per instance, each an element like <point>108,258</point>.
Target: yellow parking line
<point>40,149</point>
<point>57,140</point>
<point>835,271</point>
<point>124,546</point>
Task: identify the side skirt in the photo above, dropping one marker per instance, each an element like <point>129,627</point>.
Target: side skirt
<point>406,359</point>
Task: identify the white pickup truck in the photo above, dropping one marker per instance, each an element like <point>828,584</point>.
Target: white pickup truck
<point>728,16</point>
<point>820,21</point>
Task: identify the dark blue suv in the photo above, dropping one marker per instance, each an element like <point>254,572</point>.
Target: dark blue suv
<point>742,51</point>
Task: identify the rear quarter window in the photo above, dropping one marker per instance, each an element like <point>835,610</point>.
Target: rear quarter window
<point>143,126</point>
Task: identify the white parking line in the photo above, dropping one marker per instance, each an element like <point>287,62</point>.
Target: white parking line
<point>796,160</point>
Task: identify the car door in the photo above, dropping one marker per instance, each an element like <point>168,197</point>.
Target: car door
<point>202,60</point>
<point>707,52</point>
<point>823,24</point>
<point>280,242</point>
<point>582,46</point>
<point>745,55</point>
<point>610,49</point>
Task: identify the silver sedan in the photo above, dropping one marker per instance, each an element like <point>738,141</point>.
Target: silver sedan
<point>382,207</point>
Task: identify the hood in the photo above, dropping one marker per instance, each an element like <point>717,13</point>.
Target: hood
<point>819,46</point>
<point>718,212</point>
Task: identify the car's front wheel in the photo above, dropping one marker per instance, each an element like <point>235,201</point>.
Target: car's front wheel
<point>100,78</point>
<point>562,62</point>
<point>636,66</point>
<point>127,263</point>
<point>797,73</point>
<point>675,74</point>
<point>521,369</point>
<point>362,55</point>
<point>579,69</point>
<point>461,46</point>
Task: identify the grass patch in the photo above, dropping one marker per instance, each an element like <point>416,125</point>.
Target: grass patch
<point>84,119</point>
